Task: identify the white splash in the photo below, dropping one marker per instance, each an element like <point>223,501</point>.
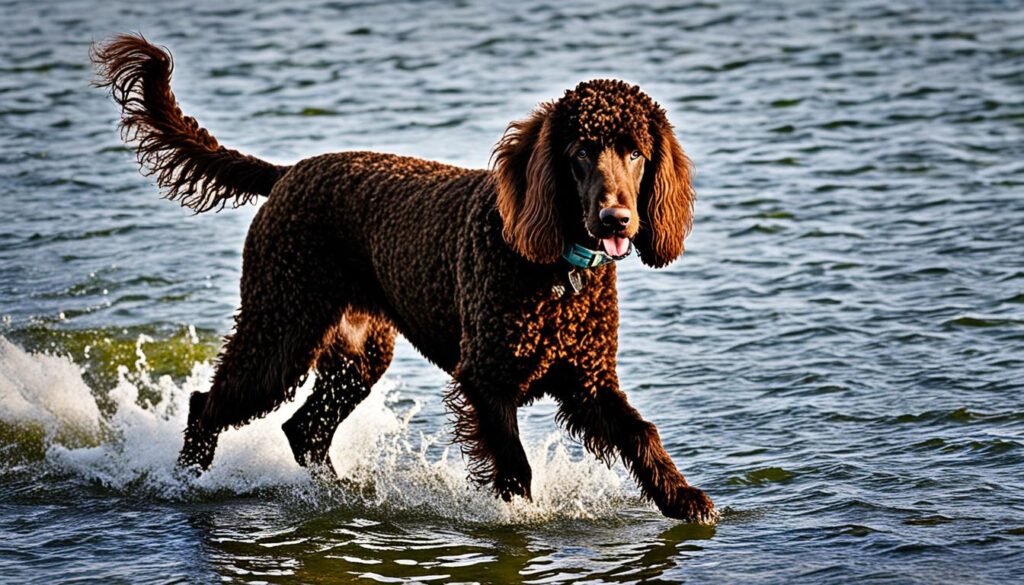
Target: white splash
<point>382,465</point>
<point>45,390</point>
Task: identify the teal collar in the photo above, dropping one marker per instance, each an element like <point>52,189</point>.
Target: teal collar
<point>582,257</point>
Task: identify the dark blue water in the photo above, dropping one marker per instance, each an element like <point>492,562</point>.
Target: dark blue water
<point>838,360</point>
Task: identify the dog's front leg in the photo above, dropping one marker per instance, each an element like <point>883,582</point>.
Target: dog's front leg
<point>594,409</point>
<point>486,425</point>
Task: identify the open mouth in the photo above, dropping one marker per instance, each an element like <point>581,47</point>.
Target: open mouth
<point>615,246</point>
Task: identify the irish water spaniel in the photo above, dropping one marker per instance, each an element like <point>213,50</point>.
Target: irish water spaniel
<point>504,278</point>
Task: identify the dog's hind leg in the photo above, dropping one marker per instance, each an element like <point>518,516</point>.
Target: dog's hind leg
<point>201,436</point>
<point>200,440</point>
<point>268,356</point>
<point>290,303</point>
<point>358,352</point>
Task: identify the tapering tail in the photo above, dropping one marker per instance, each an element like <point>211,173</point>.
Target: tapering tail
<point>189,164</point>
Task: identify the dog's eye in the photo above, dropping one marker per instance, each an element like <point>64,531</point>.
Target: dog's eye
<point>582,153</point>
<point>635,155</point>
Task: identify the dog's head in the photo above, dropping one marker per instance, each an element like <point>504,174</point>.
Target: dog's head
<point>598,167</point>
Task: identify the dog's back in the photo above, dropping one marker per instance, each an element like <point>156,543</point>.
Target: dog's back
<point>385,231</point>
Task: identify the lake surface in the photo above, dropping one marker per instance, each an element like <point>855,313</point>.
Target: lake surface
<point>838,360</point>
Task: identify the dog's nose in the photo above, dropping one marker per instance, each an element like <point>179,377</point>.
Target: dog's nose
<point>616,218</point>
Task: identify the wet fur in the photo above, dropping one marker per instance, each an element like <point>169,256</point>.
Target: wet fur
<point>352,248</point>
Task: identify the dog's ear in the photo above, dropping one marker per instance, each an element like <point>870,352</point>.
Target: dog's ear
<point>524,172</point>
<point>666,198</point>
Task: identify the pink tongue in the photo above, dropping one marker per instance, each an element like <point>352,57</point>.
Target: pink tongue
<point>616,245</point>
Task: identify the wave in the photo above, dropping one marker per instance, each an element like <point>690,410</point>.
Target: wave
<point>55,426</point>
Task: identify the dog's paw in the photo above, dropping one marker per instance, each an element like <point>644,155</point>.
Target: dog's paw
<point>507,485</point>
<point>689,504</point>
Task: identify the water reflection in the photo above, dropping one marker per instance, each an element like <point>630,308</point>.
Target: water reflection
<point>254,542</point>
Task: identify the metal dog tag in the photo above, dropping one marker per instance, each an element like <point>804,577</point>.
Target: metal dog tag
<point>575,280</point>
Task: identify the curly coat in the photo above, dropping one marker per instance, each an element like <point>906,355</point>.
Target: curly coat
<point>333,269</point>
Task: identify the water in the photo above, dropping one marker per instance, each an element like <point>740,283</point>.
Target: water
<point>837,360</point>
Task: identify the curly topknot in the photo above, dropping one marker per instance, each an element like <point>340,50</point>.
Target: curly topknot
<point>606,110</point>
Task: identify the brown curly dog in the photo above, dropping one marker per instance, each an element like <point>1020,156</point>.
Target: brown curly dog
<point>515,300</point>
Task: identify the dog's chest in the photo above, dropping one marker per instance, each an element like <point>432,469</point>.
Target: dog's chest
<point>558,324</point>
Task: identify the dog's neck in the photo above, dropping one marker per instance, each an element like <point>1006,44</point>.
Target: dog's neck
<point>582,259</point>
